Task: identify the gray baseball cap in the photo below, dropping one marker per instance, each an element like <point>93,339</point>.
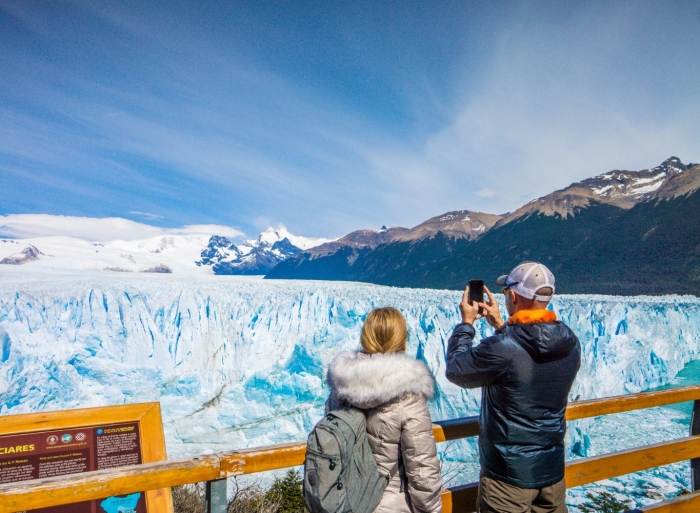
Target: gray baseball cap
<point>527,278</point>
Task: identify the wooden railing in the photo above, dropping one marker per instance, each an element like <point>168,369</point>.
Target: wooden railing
<point>216,468</point>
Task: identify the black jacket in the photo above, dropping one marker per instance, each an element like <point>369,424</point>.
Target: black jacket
<point>526,371</point>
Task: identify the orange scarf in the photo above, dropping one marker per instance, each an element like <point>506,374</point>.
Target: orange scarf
<point>532,317</point>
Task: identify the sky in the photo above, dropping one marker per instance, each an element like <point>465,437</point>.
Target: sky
<point>327,117</point>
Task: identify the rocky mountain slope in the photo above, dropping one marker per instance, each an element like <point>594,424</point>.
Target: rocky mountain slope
<point>622,189</point>
<point>460,224</point>
<point>28,254</point>
<point>622,232</point>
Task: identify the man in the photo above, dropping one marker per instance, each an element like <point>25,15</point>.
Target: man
<point>526,370</point>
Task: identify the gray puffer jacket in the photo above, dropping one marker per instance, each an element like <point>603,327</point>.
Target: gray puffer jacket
<point>393,389</point>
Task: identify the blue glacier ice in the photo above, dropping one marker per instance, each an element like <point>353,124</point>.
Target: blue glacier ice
<point>239,362</point>
<point>125,504</point>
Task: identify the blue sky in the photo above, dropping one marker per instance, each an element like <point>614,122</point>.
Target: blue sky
<point>328,117</point>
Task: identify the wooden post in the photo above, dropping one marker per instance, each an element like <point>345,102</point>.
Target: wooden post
<point>695,463</point>
<point>217,499</point>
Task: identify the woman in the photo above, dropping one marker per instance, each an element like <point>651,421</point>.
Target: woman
<point>392,389</point>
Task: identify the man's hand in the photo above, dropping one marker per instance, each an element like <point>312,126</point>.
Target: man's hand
<point>491,311</point>
<point>470,311</point>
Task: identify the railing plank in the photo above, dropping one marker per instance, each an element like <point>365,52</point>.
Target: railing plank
<point>622,403</point>
<point>55,491</point>
<point>460,499</point>
<point>453,429</point>
<point>695,463</point>
<point>589,470</point>
<point>105,483</point>
<point>249,461</point>
<point>683,504</point>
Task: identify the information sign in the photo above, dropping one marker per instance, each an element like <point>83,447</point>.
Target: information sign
<point>93,441</point>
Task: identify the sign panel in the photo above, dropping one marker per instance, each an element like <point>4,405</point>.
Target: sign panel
<point>83,448</point>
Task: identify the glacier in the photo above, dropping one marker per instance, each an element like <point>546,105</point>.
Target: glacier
<point>240,361</point>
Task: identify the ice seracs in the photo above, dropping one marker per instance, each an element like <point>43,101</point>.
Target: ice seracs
<point>239,361</point>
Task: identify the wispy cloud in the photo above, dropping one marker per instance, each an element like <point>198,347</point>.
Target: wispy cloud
<point>558,101</point>
<point>147,215</point>
<point>486,193</point>
<point>24,226</point>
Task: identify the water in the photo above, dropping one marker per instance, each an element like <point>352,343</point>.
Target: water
<point>689,376</point>
<point>637,428</point>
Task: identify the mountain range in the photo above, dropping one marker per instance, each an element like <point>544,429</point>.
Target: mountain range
<point>621,232</point>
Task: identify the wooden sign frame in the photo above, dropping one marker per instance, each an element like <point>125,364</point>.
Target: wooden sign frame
<point>147,415</point>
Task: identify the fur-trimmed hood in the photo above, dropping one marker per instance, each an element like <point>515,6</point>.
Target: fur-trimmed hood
<point>367,381</point>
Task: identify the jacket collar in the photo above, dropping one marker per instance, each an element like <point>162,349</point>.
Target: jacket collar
<point>532,317</point>
<point>367,381</point>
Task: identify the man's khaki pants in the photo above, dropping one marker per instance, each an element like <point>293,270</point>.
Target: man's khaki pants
<point>498,497</point>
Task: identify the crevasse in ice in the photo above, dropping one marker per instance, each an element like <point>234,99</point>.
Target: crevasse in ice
<point>240,362</point>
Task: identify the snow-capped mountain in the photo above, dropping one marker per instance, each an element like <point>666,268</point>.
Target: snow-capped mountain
<point>256,256</point>
<point>181,254</point>
<point>634,186</point>
<point>622,189</point>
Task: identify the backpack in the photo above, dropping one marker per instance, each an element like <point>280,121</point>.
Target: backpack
<point>340,471</point>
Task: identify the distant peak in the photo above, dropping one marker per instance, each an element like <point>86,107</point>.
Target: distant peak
<point>272,235</point>
<point>219,241</point>
<point>26,255</point>
<point>672,164</point>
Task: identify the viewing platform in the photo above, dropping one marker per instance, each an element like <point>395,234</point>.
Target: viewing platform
<point>214,469</point>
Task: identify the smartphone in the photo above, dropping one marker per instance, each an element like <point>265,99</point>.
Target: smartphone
<point>476,292</point>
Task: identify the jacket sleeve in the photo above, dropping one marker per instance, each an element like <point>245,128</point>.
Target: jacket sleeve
<point>471,366</point>
<point>419,454</point>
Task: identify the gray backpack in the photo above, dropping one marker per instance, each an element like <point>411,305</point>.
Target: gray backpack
<point>340,471</point>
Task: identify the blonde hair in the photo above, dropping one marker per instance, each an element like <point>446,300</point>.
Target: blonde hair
<point>384,331</point>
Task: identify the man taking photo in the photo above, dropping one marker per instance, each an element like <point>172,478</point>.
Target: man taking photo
<point>526,370</point>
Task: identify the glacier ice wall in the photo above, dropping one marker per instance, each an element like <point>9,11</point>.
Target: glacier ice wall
<point>240,362</point>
